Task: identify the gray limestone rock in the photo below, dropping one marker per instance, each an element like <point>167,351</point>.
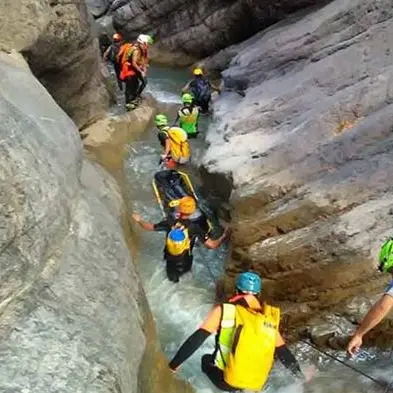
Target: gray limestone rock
<point>73,314</point>
<point>57,40</point>
<point>309,151</point>
<point>199,28</point>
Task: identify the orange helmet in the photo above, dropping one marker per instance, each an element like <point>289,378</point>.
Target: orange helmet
<point>187,205</point>
<point>170,164</point>
<point>117,37</point>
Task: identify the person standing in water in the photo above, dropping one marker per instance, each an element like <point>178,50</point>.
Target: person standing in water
<point>201,89</point>
<point>188,116</point>
<point>247,340</point>
<point>174,141</point>
<point>382,307</point>
<point>181,235</point>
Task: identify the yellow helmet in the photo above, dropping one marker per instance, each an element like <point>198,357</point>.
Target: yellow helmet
<point>198,71</point>
<point>187,205</point>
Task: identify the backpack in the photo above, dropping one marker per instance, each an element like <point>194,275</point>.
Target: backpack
<point>178,240</point>
<point>180,147</point>
<point>252,354</point>
<point>201,90</point>
<point>124,53</point>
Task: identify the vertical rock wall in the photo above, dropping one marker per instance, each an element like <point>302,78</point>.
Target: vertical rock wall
<point>73,314</point>
<point>56,38</point>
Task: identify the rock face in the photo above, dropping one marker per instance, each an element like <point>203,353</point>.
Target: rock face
<point>56,38</point>
<point>196,29</point>
<point>309,152</point>
<point>73,314</point>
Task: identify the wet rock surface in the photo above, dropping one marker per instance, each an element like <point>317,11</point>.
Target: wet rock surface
<point>57,40</point>
<point>73,314</point>
<point>309,152</point>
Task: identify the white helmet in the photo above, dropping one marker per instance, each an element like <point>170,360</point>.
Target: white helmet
<point>145,39</point>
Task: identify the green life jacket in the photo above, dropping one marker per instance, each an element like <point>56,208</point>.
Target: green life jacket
<point>189,119</point>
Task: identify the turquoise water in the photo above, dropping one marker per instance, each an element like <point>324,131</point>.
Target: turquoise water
<point>179,308</point>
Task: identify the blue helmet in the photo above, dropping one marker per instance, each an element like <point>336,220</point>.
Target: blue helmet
<point>177,235</point>
<point>249,282</point>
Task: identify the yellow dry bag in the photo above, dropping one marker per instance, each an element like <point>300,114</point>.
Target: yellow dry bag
<point>180,147</point>
<point>251,355</point>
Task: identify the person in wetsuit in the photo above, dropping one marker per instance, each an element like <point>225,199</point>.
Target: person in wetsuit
<point>181,236</point>
<point>222,321</point>
<point>201,89</point>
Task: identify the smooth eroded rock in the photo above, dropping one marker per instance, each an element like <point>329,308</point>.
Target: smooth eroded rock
<point>73,314</point>
<point>309,149</point>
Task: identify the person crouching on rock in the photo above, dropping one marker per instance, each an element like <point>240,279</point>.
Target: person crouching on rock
<point>133,59</point>
<point>181,235</point>
<point>247,340</point>
<point>174,141</point>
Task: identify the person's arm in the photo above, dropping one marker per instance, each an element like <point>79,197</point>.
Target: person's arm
<point>286,357</point>
<point>148,226</point>
<point>186,88</point>
<point>212,244</point>
<point>209,326</point>
<point>188,348</point>
<point>106,53</point>
<point>215,87</point>
<point>375,315</point>
<point>135,60</point>
<point>167,147</point>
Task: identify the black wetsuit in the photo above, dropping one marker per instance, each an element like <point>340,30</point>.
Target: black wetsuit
<point>176,266</point>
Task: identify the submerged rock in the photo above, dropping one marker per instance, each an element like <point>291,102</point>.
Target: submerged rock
<point>73,314</point>
<point>62,52</point>
<point>309,151</point>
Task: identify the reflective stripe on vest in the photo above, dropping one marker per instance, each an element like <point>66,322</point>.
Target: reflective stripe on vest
<point>225,337</point>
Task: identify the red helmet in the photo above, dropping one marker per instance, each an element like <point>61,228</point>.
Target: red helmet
<point>117,37</point>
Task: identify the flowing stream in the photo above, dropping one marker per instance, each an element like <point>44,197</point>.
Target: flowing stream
<point>179,308</point>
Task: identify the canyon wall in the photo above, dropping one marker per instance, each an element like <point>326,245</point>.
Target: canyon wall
<point>308,151</point>
<point>57,40</point>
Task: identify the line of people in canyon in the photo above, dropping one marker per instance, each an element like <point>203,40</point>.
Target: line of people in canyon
<point>130,61</point>
<point>247,330</point>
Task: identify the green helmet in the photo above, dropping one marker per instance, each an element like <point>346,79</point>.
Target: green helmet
<point>150,40</point>
<point>386,256</point>
<point>187,98</point>
<point>161,120</point>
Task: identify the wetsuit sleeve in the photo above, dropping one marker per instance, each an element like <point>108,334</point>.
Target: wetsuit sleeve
<point>189,347</point>
<point>162,226</point>
<point>200,233</point>
<point>288,360</point>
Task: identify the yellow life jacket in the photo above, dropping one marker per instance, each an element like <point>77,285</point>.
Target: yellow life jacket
<point>180,147</point>
<point>247,342</point>
<point>178,240</point>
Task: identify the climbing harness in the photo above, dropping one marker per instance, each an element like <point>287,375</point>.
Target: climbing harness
<point>383,384</point>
